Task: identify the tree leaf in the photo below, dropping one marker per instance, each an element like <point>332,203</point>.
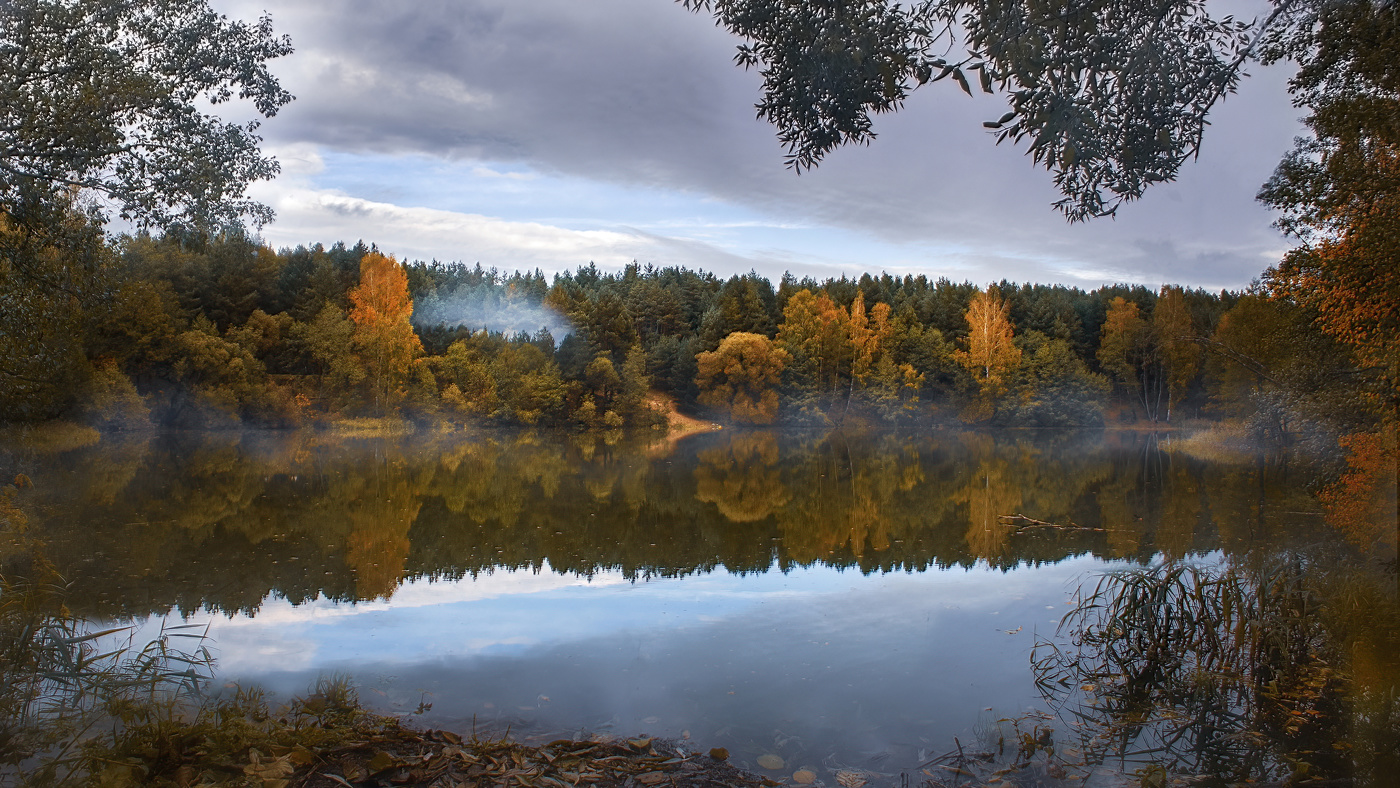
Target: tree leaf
<point>962,81</point>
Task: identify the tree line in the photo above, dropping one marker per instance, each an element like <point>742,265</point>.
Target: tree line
<point>184,329</point>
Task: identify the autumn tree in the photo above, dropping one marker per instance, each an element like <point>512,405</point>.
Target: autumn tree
<point>816,337</point>
<point>384,336</point>
<point>1177,346</point>
<point>877,379</point>
<point>1125,353</point>
<point>869,334</point>
<point>1339,193</point>
<point>740,377</point>
<point>989,353</point>
<point>1339,190</point>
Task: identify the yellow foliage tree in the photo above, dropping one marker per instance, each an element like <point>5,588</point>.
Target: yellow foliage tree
<point>1176,341</point>
<point>381,311</point>
<point>816,335</point>
<point>1123,347</point>
<point>739,377</point>
<point>990,353</point>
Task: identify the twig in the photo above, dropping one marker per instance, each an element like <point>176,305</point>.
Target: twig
<point>1022,522</point>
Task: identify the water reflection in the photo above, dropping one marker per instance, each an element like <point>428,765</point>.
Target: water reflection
<point>820,595</point>
<point>1246,671</point>
<point>221,522</point>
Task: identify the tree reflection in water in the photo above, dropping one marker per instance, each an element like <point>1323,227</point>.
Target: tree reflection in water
<point>1274,649</point>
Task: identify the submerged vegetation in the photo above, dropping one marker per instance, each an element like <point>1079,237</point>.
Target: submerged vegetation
<point>1277,668</point>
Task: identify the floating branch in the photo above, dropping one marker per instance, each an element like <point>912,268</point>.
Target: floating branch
<point>1023,523</point>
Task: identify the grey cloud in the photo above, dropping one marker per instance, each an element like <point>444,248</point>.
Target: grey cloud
<point>642,92</point>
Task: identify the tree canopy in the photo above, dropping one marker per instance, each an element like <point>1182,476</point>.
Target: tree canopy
<point>1110,96</point>
<point>1339,189</point>
<point>108,97</point>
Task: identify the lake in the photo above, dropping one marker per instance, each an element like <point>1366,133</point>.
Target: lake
<point>840,601</point>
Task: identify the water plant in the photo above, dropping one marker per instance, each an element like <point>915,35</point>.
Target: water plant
<point>61,677</point>
<point>1234,672</point>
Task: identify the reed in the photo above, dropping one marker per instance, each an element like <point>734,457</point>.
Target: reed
<point>60,678</point>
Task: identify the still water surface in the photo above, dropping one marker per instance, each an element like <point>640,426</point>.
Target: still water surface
<point>837,600</point>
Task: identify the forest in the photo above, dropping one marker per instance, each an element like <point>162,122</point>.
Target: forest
<point>183,330</point>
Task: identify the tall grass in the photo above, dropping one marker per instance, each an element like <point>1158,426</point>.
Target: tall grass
<point>60,678</point>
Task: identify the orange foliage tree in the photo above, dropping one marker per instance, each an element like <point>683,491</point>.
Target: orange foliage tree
<point>1339,192</point>
<point>381,311</point>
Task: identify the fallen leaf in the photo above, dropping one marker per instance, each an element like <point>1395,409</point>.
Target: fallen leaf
<point>640,744</point>
<point>850,779</point>
<point>380,762</point>
<point>719,754</point>
<point>268,771</point>
<point>651,778</point>
<point>804,777</point>
<point>770,761</point>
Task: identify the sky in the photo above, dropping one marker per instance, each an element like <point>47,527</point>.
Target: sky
<point>553,133</point>
<point>659,654</point>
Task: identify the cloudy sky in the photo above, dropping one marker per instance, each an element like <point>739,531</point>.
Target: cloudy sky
<point>551,133</point>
